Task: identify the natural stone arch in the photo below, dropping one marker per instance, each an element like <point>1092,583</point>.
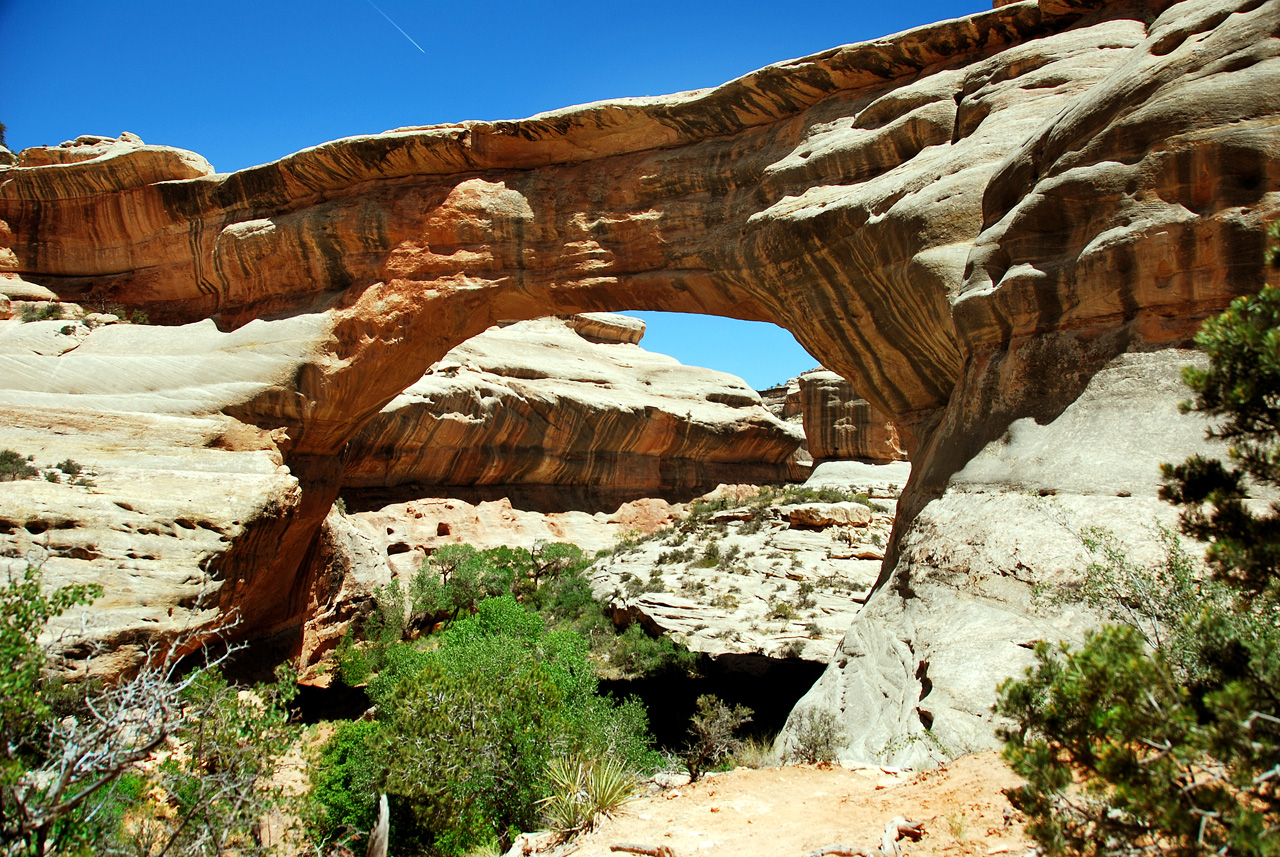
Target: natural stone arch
<point>969,221</point>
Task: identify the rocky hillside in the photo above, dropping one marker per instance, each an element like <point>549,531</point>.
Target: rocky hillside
<point>778,572</point>
<point>1000,229</point>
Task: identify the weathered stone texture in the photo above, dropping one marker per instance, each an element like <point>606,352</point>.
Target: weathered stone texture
<point>536,403</point>
<point>838,423</point>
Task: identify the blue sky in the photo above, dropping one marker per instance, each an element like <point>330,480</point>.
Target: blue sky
<point>244,82</point>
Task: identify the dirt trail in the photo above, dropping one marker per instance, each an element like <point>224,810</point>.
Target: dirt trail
<point>788,812</point>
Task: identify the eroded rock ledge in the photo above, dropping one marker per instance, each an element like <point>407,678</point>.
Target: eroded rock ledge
<point>538,404</point>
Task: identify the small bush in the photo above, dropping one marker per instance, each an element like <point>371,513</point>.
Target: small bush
<point>792,649</point>
<point>780,610</point>
<point>804,596</point>
<point>815,737</point>
<point>70,467</point>
<point>755,753</point>
<point>711,734</point>
<point>584,790</point>
<point>635,653</point>
<point>13,466</point>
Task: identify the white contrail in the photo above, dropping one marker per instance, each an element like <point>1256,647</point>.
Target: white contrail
<point>397,26</point>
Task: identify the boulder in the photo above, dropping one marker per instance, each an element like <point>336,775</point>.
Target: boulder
<point>829,515</point>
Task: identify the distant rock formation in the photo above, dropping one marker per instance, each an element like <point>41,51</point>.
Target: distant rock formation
<point>840,424</point>
<point>1000,229</point>
<point>572,403</point>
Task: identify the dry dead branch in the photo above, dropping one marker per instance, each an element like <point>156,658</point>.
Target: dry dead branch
<point>896,828</point>
<point>650,850</point>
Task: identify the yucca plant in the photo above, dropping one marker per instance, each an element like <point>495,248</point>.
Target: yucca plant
<point>584,790</point>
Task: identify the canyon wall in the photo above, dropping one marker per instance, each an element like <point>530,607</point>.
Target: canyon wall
<point>999,229</point>
<point>572,403</point>
<point>840,424</point>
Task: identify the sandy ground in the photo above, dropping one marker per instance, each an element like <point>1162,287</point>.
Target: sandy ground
<point>788,812</point>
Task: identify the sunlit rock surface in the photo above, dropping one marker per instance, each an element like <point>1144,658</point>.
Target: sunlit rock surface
<point>538,403</point>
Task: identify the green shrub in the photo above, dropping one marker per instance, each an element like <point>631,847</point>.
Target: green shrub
<point>792,649</point>
<point>467,731</point>
<point>14,466</point>
<point>711,735</point>
<point>815,737</point>
<point>70,467</point>
<point>82,762</point>
<point>804,595</point>
<point>634,653</point>
<point>51,311</point>
<point>780,610</point>
<point>344,781</point>
<point>584,790</point>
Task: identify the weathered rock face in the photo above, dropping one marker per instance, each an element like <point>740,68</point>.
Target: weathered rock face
<point>838,423</point>
<point>784,582</point>
<point>959,609</point>
<point>536,403</point>
<point>985,225</point>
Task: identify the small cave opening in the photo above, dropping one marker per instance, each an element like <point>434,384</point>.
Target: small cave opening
<point>770,687</point>
<point>338,701</point>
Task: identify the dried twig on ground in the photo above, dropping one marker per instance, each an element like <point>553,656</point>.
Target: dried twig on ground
<point>897,828</point>
<point>650,850</point>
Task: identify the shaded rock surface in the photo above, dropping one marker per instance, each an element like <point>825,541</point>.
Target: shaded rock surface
<point>538,403</point>
<point>838,423</point>
<point>915,673</point>
<point>986,225</point>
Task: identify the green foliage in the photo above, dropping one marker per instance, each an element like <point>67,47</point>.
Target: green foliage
<point>1159,601</point>
<point>1151,754</point>
<point>1161,735</point>
<point>634,653</point>
<point>711,734</point>
<point>792,649</point>
<point>70,467</point>
<point>815,737</point>
<point>25,608</point>
<point>84,766</point>
<point>344,781</point>
<point>14,466</point>
<point>584,790</point>
<point>1241,388</point>
<point>780,610</point>
<point>467,731</point>
<point>221,785</point>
